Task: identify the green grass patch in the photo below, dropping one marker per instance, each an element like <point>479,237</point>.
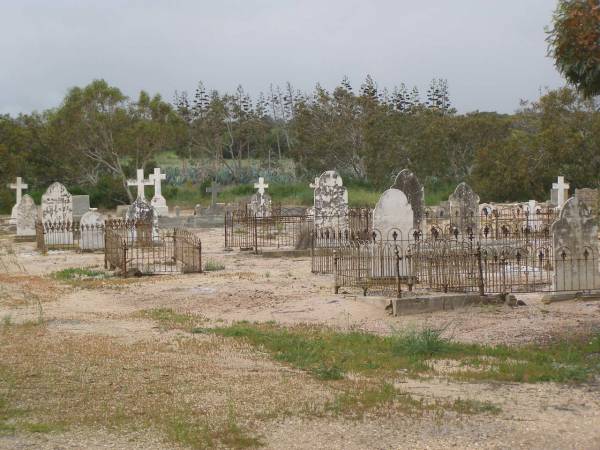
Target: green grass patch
<point>213,266</point>
<point>79,273</point>
<point>330,354</point>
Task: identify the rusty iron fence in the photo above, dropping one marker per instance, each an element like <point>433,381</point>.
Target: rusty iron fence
<point>449,265</point>
<point>290,228</point>
<point>69,236</point>
<point>140,248</point>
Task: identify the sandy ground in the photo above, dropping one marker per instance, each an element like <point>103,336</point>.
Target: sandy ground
<point>255,288</point>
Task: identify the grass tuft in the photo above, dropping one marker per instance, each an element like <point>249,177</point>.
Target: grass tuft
<point>213,266</point>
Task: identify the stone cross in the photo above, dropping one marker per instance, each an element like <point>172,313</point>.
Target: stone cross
<point>560,187</point>
<point>19,186</point>
<point>214,190</point>
<point>140,183</point>
<point>261,186</point>
<point>157,178</point>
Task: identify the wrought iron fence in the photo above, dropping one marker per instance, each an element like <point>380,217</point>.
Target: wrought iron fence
<point>69,236</point>
<point>449,265</point>
<point>140,248</point>
<point>285,227</point>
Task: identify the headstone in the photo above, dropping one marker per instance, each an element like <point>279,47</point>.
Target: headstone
<point>213,190</point>
<point>144,215</point>
<point>575,243</point>
<point>19,187</point>
<point>393,216</point>
<point>392,221</point>
<point>407,182</point>
<point>177,211</point>
<point>26,216</point>
<point>464,209</point>
<point>81,205</point>
<point>57,211</point>
<point>590,197</point>
<point>330,201</point>
<point>560,192</point>
<point>260,203</point>
<point>122,210</point>
<point>92,231</point>
<point>158,201</point>
<point>532,217</point>
<point>140,183</point>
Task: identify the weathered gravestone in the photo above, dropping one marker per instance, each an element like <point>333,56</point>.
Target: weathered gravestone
<point>407,182</point>
<point>18,187</point>
<point>560,192</point>
<point>146,221</point>
<point>330,201</point>
<point>26,216</point>
<point>158,201</point>
<point>464,209</point>
<point>392,221</point>
<point>57,213</point>
<point>260,203</point>
<point>590,197</point>
<point>81,205</point>
<point>393,217</point>
<point>575,243</point>
<point>91,226</point>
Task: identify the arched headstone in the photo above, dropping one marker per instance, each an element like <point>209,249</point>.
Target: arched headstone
<point>393,214</point>
<point>92,231</point>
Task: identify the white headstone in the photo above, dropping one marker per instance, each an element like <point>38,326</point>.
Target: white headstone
<point>26,216</point>
<point>393,221</point>
<point>158,201</point>
<point>57,210</point>
<point>140,183</point>
<point>18,186</point>
<point>261,186</point>
<point>92,231</point>
<point>393,216</point>
<point>560,192</point>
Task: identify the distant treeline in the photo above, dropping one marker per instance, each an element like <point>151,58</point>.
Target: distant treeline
<point>97,137</point>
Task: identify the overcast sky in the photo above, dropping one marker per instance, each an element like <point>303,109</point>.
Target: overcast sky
<point>492,52</point>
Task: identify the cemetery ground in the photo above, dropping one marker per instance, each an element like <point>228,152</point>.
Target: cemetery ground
<point>259,352</point>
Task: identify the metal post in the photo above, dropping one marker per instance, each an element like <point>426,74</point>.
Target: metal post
<point>398,282</point>
<point>255,222</point>
<point>480,268</point>
<point>335,272</point>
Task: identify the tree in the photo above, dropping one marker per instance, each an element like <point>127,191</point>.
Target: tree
<point>574,42</point>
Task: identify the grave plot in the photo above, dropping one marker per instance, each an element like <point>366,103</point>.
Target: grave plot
<point>137,248</point>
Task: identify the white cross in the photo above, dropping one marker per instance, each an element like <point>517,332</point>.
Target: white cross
<point>140,183</point>
<point>561,187</point>
<point>261,186</point>
<point>19,186</point>
<point>157,177</point>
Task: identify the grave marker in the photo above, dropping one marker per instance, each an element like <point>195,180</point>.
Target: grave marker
<point>19,187</point>
<point>92,231</point>
<point>575,243</point>
<point>26,216</point>
<point>140,183</point>
<point>559,193</point>
<point>57,209</point>
<point>330,201</point>
<point>407,182</point>
<point>213,190</point>
<point>260,203</point>
<point>464,209</point>
<point>158,201</point>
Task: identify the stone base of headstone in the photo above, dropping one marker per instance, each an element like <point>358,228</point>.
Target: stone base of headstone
<point>122,210</point>
<point>162,211</point>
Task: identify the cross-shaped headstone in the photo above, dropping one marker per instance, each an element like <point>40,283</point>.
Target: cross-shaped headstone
<point>140,183</point>
<point>214,190</point>
<point>261,186</point>
<point>157,178</point>
<point>19,186</point>
<point>560,187</point>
